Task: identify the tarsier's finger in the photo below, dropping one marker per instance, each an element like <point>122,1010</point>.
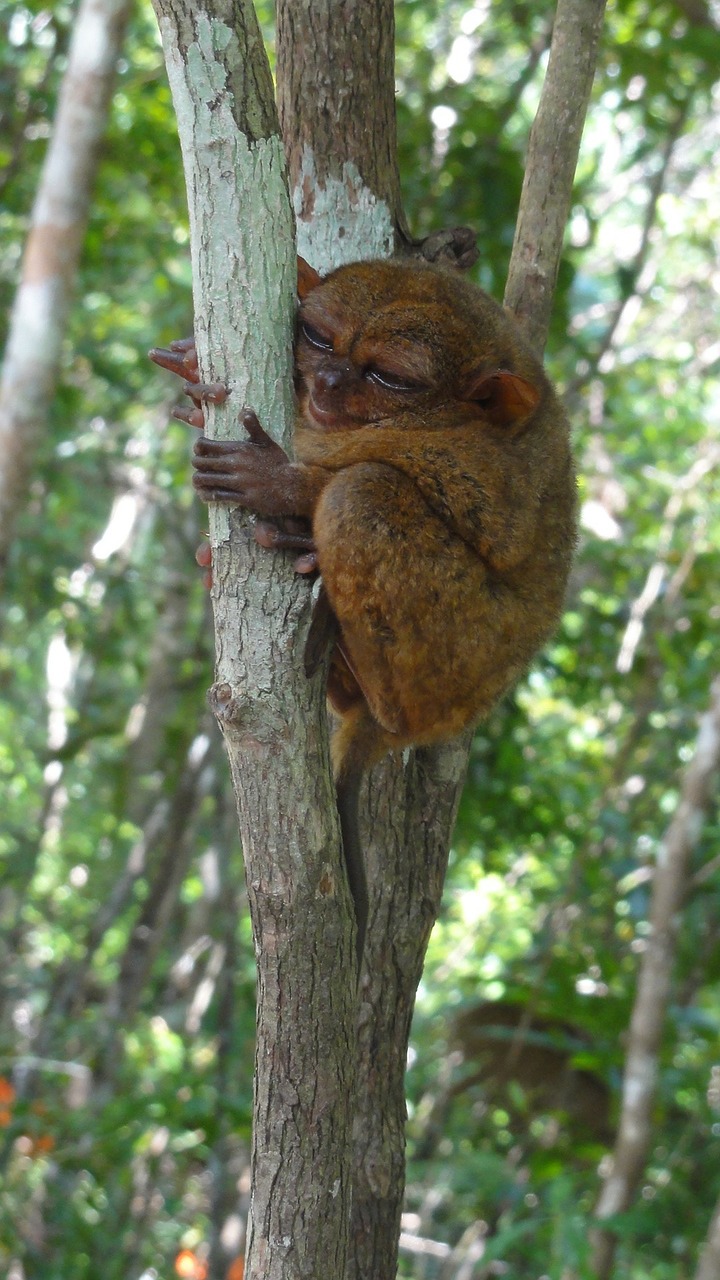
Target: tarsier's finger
<point>204,447</point>
<point>266,535</point>
<point>208,494</point>
<point>273,539</point>
<point>206,392</point>
<point>251,423</point>
<point>183,344</point>
<point>307,563</point>
<point>180,358</point>
<point>203,557</point>
<point>193,417</point>
<point>185,347</point>
<point>216,463</point>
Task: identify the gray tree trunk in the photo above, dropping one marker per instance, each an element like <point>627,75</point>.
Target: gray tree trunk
<point>272,717</point>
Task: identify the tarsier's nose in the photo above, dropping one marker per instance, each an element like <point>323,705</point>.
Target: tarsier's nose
<point>331,377</point>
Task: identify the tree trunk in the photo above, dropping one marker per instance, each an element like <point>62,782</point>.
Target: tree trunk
<point>411,803</point>
<point>272,717</point>
<point>708,1267</point>
<point>59,217</point>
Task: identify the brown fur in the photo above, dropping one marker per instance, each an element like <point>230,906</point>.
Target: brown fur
<point>444,525</point>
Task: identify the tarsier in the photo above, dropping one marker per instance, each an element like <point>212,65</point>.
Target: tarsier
<point>433,464</point>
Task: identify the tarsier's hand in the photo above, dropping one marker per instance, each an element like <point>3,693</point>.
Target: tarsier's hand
<point>249,472</point>
<point>255,473</point>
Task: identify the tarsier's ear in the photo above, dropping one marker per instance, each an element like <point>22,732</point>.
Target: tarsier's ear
<point>506,399</point>
<point>308,278</point>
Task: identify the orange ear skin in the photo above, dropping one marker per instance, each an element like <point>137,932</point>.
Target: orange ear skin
<point>506,398</point>
<point>308,278</point>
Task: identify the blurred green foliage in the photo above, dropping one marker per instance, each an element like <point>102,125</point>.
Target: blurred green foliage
<point>126,948</point>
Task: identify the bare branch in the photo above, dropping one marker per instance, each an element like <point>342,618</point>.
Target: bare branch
<point>42,303</point>
<point>552,157</point>
<point>659,570</point>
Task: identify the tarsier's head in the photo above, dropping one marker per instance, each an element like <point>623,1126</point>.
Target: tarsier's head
<point>395,340</point>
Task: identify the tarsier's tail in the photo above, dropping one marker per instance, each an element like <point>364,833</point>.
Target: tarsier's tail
<point>357,744</point>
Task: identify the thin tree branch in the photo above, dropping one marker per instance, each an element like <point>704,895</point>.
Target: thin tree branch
<point>658,572</point>
<point>551,162</point>
<point>654,980</point>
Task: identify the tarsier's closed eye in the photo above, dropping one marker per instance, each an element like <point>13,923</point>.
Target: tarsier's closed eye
<point>315,337</point>
<point>393,381</point>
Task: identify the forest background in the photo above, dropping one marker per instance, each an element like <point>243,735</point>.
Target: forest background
<point>128,1008</point>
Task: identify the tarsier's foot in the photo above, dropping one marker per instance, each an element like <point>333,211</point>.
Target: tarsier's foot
<point>454,245</point>
<point>274,539</point>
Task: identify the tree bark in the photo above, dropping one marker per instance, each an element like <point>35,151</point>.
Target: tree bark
<point>654,980</point>
<point>57,229</point>
<point>336,101</point>
<point>272,717</point>
<point>409,817</point>
<point>345,189</point>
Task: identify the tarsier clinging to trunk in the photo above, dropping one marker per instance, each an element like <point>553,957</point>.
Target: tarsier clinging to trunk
<point>433,464</point>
